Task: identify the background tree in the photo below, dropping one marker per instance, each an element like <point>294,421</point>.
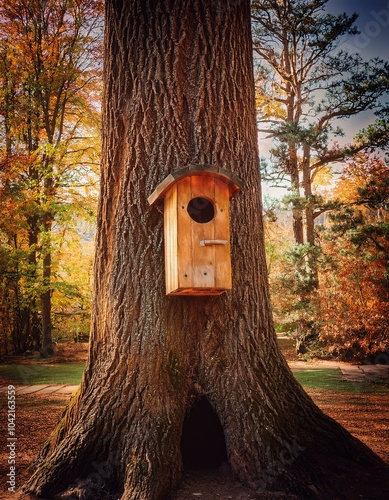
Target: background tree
<point>281,268</point>
<point>19,313</point>
<point>305,85</point>
<point>179,90</point>
<point>353,301</point>
<point>49,109</point>
<point>72,299</point>
<point>376,135</point>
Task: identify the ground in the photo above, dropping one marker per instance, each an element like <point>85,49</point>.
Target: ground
<point>364,415</point>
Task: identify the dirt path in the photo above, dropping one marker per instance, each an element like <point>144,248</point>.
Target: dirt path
<point>364,415</point>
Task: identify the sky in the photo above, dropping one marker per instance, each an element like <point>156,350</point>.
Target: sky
<point>373,41</point>
<point>373,23</point>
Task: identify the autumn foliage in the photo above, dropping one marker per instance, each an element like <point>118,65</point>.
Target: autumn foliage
<point>347,314</point>
<point>353,298</point>
<point>50,64</point>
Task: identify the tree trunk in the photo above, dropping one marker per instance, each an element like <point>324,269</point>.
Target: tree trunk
<point>179,90</point>
<point>297,214</point>
<point>47,348</point>
<point>309,216</point>
<point>33,329</point>
<point>307,183</point>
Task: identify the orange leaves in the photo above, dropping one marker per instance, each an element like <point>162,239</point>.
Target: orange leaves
<point>353,297</point>
<point>49,138</point>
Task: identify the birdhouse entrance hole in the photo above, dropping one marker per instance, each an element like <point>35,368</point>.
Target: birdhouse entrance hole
<point>203,444</point>
<point>197,229</point>
<point>201,210</point>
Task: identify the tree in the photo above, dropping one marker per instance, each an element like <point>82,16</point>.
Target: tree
<point>281,272</point>
<point>376,135</point>
<point>353,300</point>
<point>48,109</point>
<point>179,90</point>
<point>72,304</point>
<point>305,85</point>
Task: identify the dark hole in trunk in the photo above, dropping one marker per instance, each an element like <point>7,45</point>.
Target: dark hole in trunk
<point>203,445</point>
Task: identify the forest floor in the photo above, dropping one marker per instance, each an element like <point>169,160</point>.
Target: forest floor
<point>363,413</point>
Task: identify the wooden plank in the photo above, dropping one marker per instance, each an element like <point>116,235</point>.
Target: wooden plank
<point>197,292</point>
<point>185,250</point>
<point>161,189</point>
<point>222,232</point>
<point>203,256</point>
<point>212,171</point>
<point>170,237</point>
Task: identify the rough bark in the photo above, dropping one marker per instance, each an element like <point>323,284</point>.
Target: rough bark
<point>179,90</point>
<point>309,215</point>
<point>33,327</point>
<point>297,213</point>
<point>47,348</point>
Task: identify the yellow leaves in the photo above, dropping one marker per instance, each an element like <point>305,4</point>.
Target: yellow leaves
<point>268,100</point>
<point>49,100</point>
<point>268,107</point>
<point>323,177</point>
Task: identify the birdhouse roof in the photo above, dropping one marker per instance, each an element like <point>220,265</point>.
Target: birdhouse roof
<point>232,180</point>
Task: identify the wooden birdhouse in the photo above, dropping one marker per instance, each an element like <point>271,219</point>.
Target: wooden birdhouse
<point>197,229</point>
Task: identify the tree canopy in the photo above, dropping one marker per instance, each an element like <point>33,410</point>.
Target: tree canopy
<point>49,148</point>
<point>306,84</point>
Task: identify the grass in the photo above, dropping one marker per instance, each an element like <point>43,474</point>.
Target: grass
<point>71,373</point>
<point>330,379</point>
<point>61,373</point>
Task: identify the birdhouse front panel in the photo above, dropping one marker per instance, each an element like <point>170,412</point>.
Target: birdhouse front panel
<point>197,230</point>
<point>197,237</point>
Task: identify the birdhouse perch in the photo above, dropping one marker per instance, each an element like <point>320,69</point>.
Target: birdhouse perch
<point>197,229</point>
